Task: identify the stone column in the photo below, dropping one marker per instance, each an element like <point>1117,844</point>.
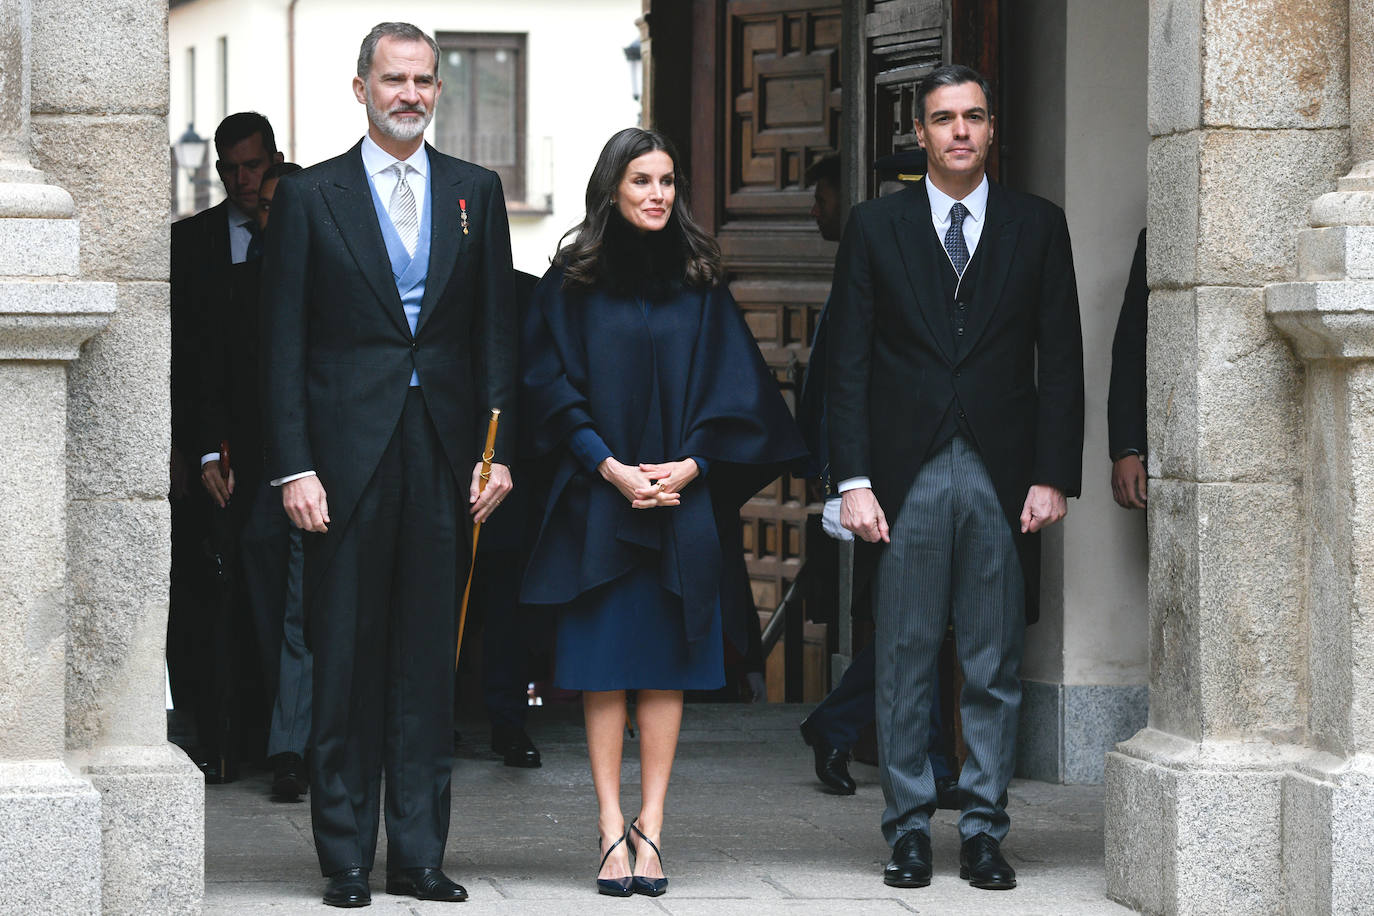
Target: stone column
<point>1248,109</point>
<point>1328,314</point>
<point>99,95</point>
<point>49,817</point>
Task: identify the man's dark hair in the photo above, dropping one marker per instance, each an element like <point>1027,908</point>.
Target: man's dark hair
<point>401,31</point>
<point>240,126</point>
<point>948,75</point>
<point>826,168</point>
<point>279,170</point>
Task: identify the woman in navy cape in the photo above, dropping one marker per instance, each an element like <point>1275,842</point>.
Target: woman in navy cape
<point>644,386</point>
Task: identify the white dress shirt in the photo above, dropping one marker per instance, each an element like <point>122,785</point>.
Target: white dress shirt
<point>239,236</point>
<point>940,203</point>
<point>377,162</point>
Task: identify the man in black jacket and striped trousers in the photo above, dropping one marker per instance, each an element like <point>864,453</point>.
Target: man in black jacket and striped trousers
<point>955,412</point>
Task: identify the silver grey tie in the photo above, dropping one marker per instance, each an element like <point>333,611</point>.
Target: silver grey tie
<point>404,214</point>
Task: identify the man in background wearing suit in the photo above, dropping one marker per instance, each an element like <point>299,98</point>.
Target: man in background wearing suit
<point>955,409</point>
<point>388,332</point>
<point>208,250</point>
<point>1126,397</point>
<point>834,726</point>
<point>267,546</point>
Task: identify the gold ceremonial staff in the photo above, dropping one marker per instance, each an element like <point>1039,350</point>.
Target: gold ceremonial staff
<point>488,454</point>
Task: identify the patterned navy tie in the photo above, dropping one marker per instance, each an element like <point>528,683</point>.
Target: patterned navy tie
<point>254,241</point>
<point>955,245</point>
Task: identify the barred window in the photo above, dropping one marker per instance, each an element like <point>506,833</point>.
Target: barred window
<point>480,115</point>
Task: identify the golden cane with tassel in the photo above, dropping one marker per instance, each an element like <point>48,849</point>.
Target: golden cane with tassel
<point>488,454</point>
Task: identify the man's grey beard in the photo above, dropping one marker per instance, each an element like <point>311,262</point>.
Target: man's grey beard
<point>397,130</point>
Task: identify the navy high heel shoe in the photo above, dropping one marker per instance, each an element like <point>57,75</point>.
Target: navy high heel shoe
<point>612,887</point>
<point>649,887</point>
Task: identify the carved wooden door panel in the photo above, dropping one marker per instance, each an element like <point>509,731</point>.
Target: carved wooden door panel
<point>890,45</point>
<point>780,112</point>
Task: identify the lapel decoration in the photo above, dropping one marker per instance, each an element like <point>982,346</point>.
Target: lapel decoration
<point>445,245</point>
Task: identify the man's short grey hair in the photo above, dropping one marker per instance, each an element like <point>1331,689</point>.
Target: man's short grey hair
<point>948,75</point>
<point>401,31</point>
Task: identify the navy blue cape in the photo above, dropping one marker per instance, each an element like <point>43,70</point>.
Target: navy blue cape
<point>682,377</point>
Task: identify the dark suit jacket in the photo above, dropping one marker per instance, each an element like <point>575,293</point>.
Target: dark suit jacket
<point>1126,396</point>
<point>896,367</point>
<point>199,288</point>
<point>337,352</point>
<point>515,524</point>
<point>228,406</point>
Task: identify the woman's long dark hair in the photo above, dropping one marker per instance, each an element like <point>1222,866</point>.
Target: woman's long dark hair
<point>582,258</point>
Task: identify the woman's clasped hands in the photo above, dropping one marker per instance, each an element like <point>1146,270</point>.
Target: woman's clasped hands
<point>650,486</point>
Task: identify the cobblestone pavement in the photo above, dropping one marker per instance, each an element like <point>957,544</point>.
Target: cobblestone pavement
<point>749,831</point>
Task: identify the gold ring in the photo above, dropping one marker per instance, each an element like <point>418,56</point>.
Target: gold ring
<point>663,487</point>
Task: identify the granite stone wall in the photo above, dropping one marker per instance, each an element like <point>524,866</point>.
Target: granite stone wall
<point>1227,801</point>
<point>112,813</point>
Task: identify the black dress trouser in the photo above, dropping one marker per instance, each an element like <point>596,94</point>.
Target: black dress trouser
<point>383,624</point>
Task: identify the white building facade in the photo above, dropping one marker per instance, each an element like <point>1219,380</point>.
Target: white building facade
<point>506,102</point>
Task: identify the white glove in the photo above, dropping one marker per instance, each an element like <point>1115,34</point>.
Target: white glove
<point>830,521</point>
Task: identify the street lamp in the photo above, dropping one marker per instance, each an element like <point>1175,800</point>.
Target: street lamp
<point>635,58</point>
<point>191,148</point>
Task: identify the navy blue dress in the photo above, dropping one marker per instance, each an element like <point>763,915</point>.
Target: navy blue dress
<point>646,597</point>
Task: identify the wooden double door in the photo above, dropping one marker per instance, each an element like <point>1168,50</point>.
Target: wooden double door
<point>753,92</point>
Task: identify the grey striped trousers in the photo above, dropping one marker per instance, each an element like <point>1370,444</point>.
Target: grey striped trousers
<point>951,558</point>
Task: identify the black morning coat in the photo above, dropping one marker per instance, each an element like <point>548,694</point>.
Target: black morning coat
<point>1126,394</point>
<point>337,352</point>
<point>589,359</point>
<point>896,366</point>
<point>200,290</point>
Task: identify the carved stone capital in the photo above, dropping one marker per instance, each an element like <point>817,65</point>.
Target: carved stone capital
<point>50,319</point>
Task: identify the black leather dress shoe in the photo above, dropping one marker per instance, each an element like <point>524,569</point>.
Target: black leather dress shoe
<point>348,888</point>
<point>515,747</point>
<point>981,864</point>
<point>832,764</point>
<point>910,862</point>
<point>289,781</point>
<point>426,884</point>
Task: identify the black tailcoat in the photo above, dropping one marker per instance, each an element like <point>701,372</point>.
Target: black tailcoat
<point>337,350</point>
<point>381,586</point>
<point>200,288</point>
<point>1126,396</point>
<point>896,367</point>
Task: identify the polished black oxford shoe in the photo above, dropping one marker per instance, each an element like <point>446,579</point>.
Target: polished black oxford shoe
<point>515,747</point>
<point>289,781</point>
<point>426,884</point>
<point>910,863</point>
<point>832,764</point>
<point>981,864</point>
<point>348,888</point>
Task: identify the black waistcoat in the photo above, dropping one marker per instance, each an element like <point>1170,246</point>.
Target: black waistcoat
<point>957,295</point>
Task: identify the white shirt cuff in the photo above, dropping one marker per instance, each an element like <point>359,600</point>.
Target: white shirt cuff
<point>830,521</point>
<point>855,483</point>
<point>281,480</point>
<point>208,457</point>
